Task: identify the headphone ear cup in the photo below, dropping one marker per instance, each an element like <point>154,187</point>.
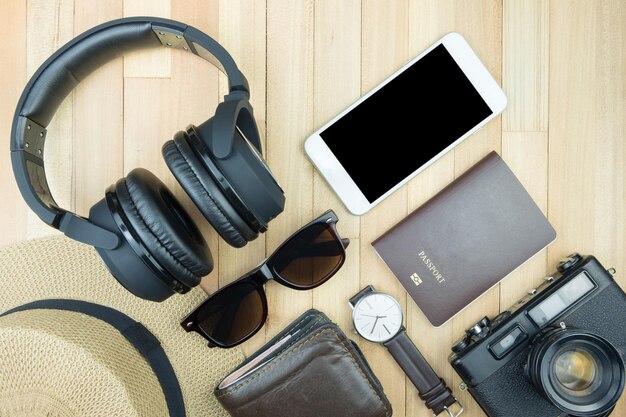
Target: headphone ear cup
<point>124,263</point>
<point>164,227</point>
<point>205,193</point>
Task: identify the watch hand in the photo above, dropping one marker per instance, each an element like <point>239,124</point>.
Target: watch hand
<point>378,317</point>
<point>374,326</point>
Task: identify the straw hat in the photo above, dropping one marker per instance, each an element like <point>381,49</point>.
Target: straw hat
<point>59,363</point>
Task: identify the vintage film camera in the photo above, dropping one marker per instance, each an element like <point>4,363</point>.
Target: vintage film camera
<point>558,351</point>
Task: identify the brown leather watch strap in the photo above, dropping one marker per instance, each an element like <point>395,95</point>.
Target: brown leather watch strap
<point>432,389</point>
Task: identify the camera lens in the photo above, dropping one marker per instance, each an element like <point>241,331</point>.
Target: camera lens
<point>577,371</point>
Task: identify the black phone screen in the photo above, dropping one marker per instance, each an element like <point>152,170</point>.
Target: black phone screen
<point>406,123</point>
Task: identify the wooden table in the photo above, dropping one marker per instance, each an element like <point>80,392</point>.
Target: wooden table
<point>561,64</point>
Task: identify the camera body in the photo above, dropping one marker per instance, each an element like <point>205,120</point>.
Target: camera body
<point>513,365</point>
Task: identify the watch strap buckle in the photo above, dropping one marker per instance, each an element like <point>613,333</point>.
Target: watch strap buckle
<point>448,410</point>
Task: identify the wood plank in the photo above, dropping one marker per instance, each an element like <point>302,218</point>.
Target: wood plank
<point>526,153</point>
<point>98,114</point>
<point>480,22</point>
<point>337,84</point>
<point>248,49</point>
<point>198,99</point>
<point>190,96</point>
<point>433,342</point>
<point>289,121</point>
<point>308,60</point>
<point>384,50</point>
<point>152,63</point>
<point>525,42</point>
<point>12,81</point>
<point>50,26</point>
<point>427,23</point>
<point>337,63</point>
<point>586,130</point>
<point>525,82</point>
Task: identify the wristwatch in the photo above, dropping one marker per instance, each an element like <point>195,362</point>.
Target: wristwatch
<point>377,317</point>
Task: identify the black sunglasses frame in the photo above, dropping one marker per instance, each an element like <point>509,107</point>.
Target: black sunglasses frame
<point>265,272</point>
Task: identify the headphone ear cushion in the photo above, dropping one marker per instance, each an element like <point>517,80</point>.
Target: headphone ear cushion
<point>164,226</point>
<point>205,194</point>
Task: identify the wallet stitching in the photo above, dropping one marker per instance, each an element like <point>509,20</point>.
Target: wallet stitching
<point>269,367</point>
<point>355,363</point>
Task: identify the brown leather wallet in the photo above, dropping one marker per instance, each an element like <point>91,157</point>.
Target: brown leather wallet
<point>310,369</point>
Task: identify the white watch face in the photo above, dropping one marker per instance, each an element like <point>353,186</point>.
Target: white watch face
<point>377,317</point>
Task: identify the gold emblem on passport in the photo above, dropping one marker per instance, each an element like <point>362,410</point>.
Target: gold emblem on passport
<point>416,279</point>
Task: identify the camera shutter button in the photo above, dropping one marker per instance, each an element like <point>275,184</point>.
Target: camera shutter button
<point>460,345</point>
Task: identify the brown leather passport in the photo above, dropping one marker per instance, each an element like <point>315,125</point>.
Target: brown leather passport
<point>465,239</point>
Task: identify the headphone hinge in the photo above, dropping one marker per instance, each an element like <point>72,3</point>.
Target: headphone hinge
<point>171,38</point>
<point>82,230</point>
<point>237,95</point>
<point>33,138</point>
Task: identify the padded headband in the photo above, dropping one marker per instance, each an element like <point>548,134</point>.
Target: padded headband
<point>62,72</point>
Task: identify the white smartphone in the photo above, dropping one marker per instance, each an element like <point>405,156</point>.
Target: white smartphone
<point>405,124</point>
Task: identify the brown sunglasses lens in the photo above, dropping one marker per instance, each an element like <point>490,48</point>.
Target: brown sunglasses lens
<point>232,314</point>
<point>310,257</point>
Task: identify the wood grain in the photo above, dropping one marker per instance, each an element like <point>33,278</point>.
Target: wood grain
<point>586,188</point>
<point>480,22</point>
<point>98,115</point>
<point>49,26</point>
<point>248,48</point>
<point>525,139</point>
<point>152,63</point>
<point>13,77</point>
<point>561,64</point>
<point>526,154</point>
<point>384,50</point>
<point>197,99</point>
<point>337,62</point>
<point>336,85</point>
<point>289,121</point>
<point>525,44</point>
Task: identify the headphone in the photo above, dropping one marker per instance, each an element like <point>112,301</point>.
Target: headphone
<point>142,233</point>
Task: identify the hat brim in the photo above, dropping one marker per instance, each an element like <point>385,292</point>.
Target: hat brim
<point>57,267</point>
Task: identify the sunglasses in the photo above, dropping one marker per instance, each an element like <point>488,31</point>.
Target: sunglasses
<point>306,260</point>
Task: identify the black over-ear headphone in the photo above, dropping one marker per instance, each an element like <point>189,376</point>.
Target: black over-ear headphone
<point>139,229</point>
